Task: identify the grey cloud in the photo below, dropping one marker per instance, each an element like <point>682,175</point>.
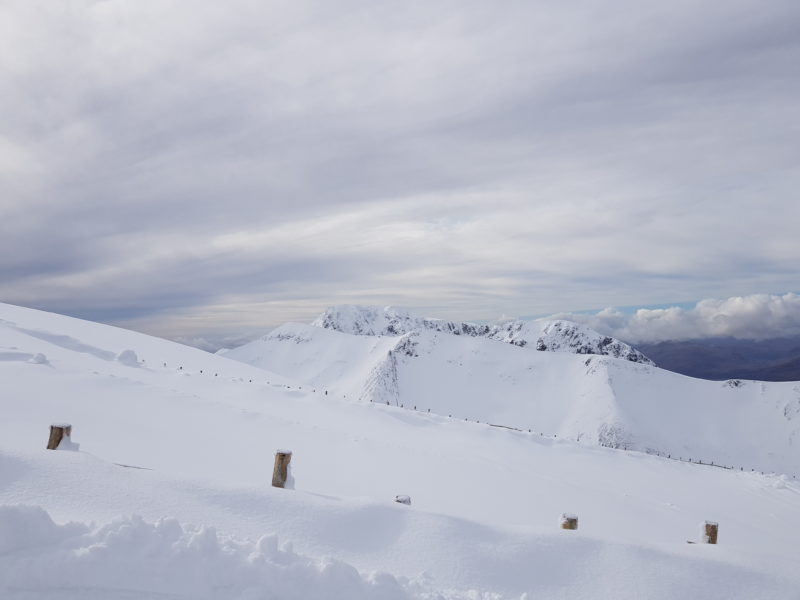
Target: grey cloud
<point>459,156</point>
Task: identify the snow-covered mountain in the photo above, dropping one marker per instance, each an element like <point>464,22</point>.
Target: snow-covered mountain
<point>592,399</point>
<point>184,440</point>
<point>549,336</point>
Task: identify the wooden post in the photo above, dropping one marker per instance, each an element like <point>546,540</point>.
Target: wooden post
<point>281,471</point>
<point>58,431</point>
<point>568,521</point>
<point>710,530</point>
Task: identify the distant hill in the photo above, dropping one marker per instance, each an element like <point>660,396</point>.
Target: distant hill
<point>728,358</point>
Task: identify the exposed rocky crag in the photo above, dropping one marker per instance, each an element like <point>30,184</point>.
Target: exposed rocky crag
<point>546,336</point>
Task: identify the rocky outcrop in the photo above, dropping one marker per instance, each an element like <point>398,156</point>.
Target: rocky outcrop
<point>545,336</point>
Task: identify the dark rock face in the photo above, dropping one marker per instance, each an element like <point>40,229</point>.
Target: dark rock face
<point>566,336</point>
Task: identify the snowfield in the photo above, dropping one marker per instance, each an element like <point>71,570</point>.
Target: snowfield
<point>169,495</point>
<point>589,398</point>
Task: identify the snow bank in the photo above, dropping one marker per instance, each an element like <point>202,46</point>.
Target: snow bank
<point>68,445</point>
<point>25,527</point>
<point>131,558</point>
<point>128,358</point>
<point>39,359</point>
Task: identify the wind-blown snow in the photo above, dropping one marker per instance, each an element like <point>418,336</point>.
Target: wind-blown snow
<point>186,441</point>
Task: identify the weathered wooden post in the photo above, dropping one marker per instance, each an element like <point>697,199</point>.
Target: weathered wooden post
<point>281,471</point>
<point>568,521</point>
<point>710,530</point>
<point>58,431</point>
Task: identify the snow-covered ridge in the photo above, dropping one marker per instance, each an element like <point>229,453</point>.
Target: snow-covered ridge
<point>546,336</point>
<point>596,400</point>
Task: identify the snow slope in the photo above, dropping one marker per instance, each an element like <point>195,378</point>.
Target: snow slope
<point>549,336</point>
<point>198,449</point>
<point>591,399</point>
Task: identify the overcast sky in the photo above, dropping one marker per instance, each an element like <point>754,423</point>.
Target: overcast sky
<point>204,169</point>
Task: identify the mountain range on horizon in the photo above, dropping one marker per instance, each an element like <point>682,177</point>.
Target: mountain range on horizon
<point>715,359</point>
<point>548,336</point>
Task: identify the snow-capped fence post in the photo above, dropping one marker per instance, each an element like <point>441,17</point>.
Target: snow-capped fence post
<point>710,530</point>
<point>281,471</point>
<point>568,521</point>
<point>58,431</point>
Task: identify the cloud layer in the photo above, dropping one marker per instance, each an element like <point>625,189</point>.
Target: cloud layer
<point>755,317</point>
<point>199,167</point>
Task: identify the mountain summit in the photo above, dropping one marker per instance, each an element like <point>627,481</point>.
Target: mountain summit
<point>546,336</point>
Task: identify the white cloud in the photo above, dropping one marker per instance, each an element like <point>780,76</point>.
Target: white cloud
<point>758,316</point>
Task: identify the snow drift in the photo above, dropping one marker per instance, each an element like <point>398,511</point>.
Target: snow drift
<point>130,558</point>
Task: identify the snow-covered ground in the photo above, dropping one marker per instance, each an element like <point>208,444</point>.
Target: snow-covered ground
<point>188,447</point>
<point>592,399</point>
